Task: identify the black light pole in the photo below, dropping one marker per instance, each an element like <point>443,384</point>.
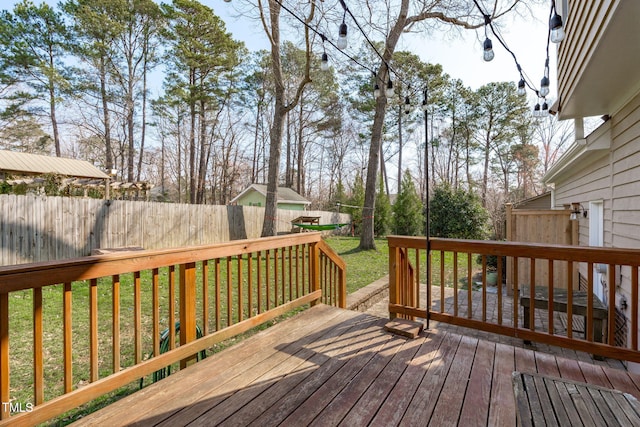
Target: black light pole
<point>426,202</point>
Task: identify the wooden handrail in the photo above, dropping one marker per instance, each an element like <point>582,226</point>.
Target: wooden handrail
<point>559,265</point>
<point>264,279</point>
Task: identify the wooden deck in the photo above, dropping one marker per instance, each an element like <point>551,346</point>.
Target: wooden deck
<point>329,366</point>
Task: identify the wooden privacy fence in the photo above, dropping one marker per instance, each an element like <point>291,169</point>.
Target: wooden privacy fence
<point>454,297</point>
<point>97,321</point>
<point>40,228</point>
<point>550,226</point>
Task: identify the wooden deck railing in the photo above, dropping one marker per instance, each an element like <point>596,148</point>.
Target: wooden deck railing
<point>452,298</point>
<point>98,320</point>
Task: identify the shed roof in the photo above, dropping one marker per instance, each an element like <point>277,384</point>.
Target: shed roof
<point>285,194</point>
<point>33,164</point>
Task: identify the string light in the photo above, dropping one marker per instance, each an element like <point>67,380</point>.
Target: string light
<point>389,92</point>
<point>487,46</point>
<point>407,105</point>
<point>555,25</point>
<point>342,35</point>
<point>556,33</point>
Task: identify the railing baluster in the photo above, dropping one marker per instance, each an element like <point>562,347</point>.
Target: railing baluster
<point>137,317</point>
<point>499,285</point>
<point>634,307</point>
<point>469,287</point>
<point>115,323</point>
<point>205,297</point>
<point>240,293</point>
<point>455,284</point>
<point>267,270</point>
<point>416,281</point>
<point>67,337</point>
<point>532,294</point>
<point>172,307</point>
<point>298,293</point>
<point>442,282</point>
<point>589,325</point>
<point>290,250</point>
<point>570,299</point>
<point>484,288</point>
<point>38,372</point>
<point>229,294</point>
<point>93,328</point>
<point>259,280</point>
<point>250,283</point>
<point>611,321</point>
<point>275,277</point>
<point>516,294</point>
<point>155,316</point>
<point>551,299</point>
<point>218,293</point>
<point>4,355</point>
<point>283,285</point>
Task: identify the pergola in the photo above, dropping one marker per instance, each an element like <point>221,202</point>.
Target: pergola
<point>29,169</point>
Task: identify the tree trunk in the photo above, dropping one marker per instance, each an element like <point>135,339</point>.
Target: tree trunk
<point>105,115</point>
<point>367,237</point>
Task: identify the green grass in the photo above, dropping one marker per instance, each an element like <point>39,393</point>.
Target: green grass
<point>363,267</point>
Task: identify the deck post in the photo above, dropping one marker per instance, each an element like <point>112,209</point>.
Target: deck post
<point>4,355</point>
<point>187,307</point>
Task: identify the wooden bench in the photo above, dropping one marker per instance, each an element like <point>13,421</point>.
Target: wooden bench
<point>547,401</point>
<point>579,306</point>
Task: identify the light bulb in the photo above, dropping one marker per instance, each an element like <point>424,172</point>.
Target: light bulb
<point>536,110</point>
<point>407,105</point>
<point>424,105</point>
<point>376,91</point>
<point>521,88</point>
<point>544,110</point>
<point>488,50</point>
<point>342,36</point>
<point>389,92</point>
<point>544,86</point>
<point>324,63</point>
<point>557,29</point>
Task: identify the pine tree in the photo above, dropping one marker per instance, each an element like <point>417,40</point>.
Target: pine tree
<point>408,211</point>
<point>382,217</point>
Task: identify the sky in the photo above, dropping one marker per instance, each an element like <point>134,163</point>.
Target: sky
<point>460,56</point>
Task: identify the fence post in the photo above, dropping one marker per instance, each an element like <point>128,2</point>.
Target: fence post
<point>4,355</point>
<point>187,307</point>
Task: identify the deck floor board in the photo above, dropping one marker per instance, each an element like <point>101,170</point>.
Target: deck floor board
<point>331,367</point>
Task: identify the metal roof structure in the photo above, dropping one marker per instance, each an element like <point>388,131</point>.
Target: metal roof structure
<point>35,164</point>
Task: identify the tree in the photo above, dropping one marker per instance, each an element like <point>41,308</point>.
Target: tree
<point>408,217</point>
<point>271,24</point>
<point>202,57</point>
<point>457,214</point>
<point>503,115</point>
<point>454,13</point>
<point>35,56</point>
<point>95,28</point>
<point>383,213</point>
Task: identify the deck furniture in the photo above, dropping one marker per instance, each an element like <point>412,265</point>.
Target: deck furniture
<point>543,401</point>
<point>579,306</point>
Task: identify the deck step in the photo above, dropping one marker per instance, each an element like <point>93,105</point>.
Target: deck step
<point>406,328</point>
